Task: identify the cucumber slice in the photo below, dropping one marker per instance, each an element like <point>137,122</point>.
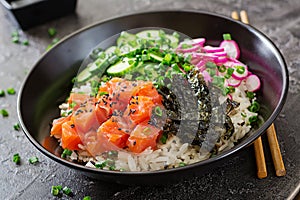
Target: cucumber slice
<point>174,41</point>
<point>125,38</point>
<point>121,67</point>
<point>84,75</point>
<point>149,34</point>
<point>99,66</point>
<point>110,50</point>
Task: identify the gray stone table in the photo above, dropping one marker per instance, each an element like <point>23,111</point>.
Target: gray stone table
<point>279,20</point>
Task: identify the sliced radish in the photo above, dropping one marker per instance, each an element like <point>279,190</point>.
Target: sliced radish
<point>189,50</point>
<point>240,72</point>
<point>210,49</point>
<point>221,53</point>
<point>221,59</point>
<point>206,76</point>
<point>231,48</point>
<point>252,83</point>
<point>198,41</point>
<point>232,82</point>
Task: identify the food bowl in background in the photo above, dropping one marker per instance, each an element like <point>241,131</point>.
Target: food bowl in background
<point>29,13</point>
<point>49,83</point>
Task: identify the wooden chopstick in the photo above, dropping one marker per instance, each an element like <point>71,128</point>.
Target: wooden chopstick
<point>258,147</point>
<point>271,133</point>
<point>275,151</point>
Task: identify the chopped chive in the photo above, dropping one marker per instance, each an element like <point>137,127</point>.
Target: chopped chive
<point>182,164</point>
<point>25,42</point>
<point>11,91</point>
<point>15,34</point>
<point>4,113</point>
<point>240,69</point>
<point>66,153</point>
<point>229,89</point>
<point>33,160</point>
<point>222,68</point>
<point>16,158</point>
<point>250,95</point>
<point>2,93</point>
<point>87,198</point>
<point>253,119</point>
<point>243,114</point>
<point>52,32</point>
<point>226,36</point>
<point>15,39</point>
<point>55,189</point>
<point>112,168</point>
<point>72,105</point>
<point>255,106</point>
<point>67,190</point>
<point>17,126</point>
<point>158,111</point>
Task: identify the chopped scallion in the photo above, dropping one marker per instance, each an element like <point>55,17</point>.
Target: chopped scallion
<point>2,93</point>
<point>240,69</point>
<point>16,158</point>
<point>255,106</point>
<point>33,160</point>
<point>222,68</point>
<point>11,91</point>
<point>164,138</point>
<point>4,113</point>
<point>250,95</point>
<point>55,189</point>
<point>226,36</point>
<point>17,126</point>
<point>66,153</point>
<point>158,111</point>
<point>253,119</point>
<point>182,164</point>
<point>52,32</point>
<point>101,164</point>
<point>67,190</point>
<point>87,198</point>
<point>26,42</point>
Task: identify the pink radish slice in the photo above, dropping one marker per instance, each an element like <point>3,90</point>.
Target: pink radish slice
<point>198,41</point>
<point>240,76</point>
<point>210,49</point>
<point>231,48</point>
<point>252,83</point>
<point>232,82</point>
<point>229,96</point>
<point>221,53</point>
<point>209,56</point>
<point>221,59</point>
<point>206,76</point>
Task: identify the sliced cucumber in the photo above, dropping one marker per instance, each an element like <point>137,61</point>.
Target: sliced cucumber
<point>149,34</point>
<point>111,50</point>
<point>125,38</point>
<point>99,66</point>
<point>121,67</point>
<point>84,75</point>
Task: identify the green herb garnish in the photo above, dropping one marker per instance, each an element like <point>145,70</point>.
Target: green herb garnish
<point>255,106</point>
<point>55,189</point>
<point>226,36</point>
<point>87,198</point>
<point>11,91</point>
<point>67,190</point>
<point>17,126</point>
<point>33,160</point>
<point>253,119</point>
<point>52,32</point>
<point>158,111</point>
<point>66,153</point>
<point>4,113</point>
<point>2,93</point>
<point>16,158</point>
<point>182,164</point>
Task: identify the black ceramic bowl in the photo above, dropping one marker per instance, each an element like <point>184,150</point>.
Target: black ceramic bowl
<point>49,82</point>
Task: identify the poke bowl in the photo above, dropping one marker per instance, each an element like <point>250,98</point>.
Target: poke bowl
<point>145,99</point>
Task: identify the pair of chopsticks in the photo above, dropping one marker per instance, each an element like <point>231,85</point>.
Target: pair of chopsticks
<point>271,133</point>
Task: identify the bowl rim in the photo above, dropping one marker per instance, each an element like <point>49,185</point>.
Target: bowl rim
<point>227,153</point>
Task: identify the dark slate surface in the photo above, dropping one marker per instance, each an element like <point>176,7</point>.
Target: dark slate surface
<point>280,20</point>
